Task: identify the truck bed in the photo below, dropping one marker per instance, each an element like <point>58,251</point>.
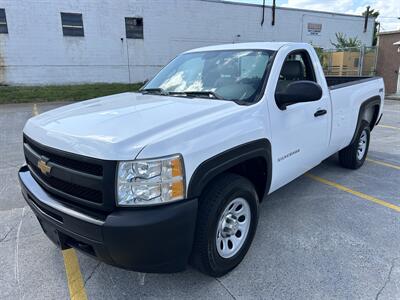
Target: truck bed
<point>336,82</point>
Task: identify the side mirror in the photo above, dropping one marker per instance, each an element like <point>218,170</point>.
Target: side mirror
<point>298,91</point>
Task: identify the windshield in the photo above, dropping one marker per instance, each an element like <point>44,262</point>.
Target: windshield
<point>228,75</point>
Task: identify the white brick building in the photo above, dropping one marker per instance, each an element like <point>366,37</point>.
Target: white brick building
<point>35,50</point>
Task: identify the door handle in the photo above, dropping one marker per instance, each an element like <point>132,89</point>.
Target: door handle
<point>320,112</point>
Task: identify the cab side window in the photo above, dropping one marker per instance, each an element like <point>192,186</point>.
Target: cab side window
<point>297,66</point>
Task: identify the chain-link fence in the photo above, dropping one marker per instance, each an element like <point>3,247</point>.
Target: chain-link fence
<point>349,61</point>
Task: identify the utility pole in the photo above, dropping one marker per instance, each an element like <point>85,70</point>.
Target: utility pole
<point>366,19</point>
<point>273,12</point>
<point>263,14</point>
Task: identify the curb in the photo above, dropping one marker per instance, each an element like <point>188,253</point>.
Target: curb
<point>393,97</point>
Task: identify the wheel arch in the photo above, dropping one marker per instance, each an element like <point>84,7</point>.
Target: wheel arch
<point>369,111</point>
<point>251,160</point>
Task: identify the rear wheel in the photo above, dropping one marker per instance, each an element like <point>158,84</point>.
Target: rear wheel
<point>354,155</point>
<point>227,221</point>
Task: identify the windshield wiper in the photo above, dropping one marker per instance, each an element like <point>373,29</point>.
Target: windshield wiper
<point>157,91</point>
<point>202,94</point>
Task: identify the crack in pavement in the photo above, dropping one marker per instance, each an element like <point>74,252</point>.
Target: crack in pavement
<point>16,259</point>
<point>92,273</point>
<point>86,280</point>
<point>23,237</point>
<point>225,288</point>
<point>388,278</point>
<point>6,235</point>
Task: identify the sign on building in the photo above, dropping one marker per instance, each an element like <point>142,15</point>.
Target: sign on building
<point>314,28</point>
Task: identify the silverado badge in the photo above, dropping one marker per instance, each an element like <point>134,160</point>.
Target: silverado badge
<point>43,167</point>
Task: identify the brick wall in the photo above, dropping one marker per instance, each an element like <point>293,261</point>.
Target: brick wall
<point>389,60</point>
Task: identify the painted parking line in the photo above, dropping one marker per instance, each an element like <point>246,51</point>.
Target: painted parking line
<point>355,193</point>
<point>389,127</point>
<point>35,111</point>
<point>76,285</point>
<point>382,163</point>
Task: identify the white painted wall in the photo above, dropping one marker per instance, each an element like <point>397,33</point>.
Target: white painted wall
<point>36,52</point>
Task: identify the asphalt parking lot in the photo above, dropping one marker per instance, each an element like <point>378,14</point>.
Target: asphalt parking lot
<point>334,233</point>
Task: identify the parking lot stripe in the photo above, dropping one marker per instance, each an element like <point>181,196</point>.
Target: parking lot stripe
<point>383,163</point>
<point>390,127</point>
<point>35,111</point>
<point>76,285</point>
<point>355,193</point>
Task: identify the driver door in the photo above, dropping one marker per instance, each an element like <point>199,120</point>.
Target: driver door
<point>300,132</point>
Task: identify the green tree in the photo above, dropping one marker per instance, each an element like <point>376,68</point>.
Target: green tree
<point>342,41</point>
<point>320,51</point>
<point>322,55</point>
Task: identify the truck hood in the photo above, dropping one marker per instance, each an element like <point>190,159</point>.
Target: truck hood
<point>118,127</point>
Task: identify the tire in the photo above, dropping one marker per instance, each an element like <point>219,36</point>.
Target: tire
<point>229,191</point>
<point>354,155</point>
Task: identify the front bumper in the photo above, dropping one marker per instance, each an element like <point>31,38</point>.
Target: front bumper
<point>155,239</point>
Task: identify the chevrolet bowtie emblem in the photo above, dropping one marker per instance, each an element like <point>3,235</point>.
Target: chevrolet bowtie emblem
<point>43,167</point>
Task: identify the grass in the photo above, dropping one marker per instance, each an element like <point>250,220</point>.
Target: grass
<point>27,94</point>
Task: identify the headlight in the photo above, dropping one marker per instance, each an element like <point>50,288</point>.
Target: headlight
<point>149,182</point>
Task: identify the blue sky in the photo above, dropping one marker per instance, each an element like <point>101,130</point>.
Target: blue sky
<point>353,5</point>
<point>389,9</point>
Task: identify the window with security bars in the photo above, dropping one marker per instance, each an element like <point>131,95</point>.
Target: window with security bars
<point>134,28</point>
<point>3,21</point>
<point>72,24</point>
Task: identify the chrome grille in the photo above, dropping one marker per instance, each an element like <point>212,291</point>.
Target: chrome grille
<point>72,178</point>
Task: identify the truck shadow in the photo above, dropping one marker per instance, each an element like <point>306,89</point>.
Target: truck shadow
<point>308,235</point>
<point>282,215</point>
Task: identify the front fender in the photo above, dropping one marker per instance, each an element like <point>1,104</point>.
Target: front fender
<point>222,162</point>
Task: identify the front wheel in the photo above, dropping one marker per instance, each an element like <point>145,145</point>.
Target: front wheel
<point>354,155</point>
<point>227,221</point>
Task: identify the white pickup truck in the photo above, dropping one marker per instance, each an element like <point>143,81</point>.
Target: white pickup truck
<point>174,174</point>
